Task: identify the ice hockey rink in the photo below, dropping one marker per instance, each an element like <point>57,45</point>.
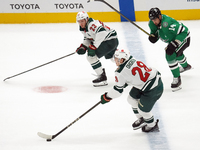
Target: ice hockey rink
<point>25,110</point>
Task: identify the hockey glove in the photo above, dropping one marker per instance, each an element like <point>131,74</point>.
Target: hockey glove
<point>153,38</point>
<point>105,99</point>
<point>172,46</point>
<point>81,49</point>
<point>91,50</point>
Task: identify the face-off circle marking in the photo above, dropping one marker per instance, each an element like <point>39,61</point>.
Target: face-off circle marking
<point>50,89</point>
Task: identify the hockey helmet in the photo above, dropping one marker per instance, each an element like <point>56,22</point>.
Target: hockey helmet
<point>154,13</point>
<point>122,54</point>
<point>82,15</point>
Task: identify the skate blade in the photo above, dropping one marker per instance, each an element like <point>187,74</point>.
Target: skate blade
<point>186,70</point>
<point>142,125</point>
<point>176,89</point>
<point>104,83</point>
<point>155,130</point>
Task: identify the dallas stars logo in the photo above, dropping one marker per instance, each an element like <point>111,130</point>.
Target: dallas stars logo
<point>165,24</point>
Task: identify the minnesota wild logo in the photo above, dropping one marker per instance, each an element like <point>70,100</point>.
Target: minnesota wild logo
<point>165,24</point>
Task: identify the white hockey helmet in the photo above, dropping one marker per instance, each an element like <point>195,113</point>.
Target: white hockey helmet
<point>82,15</point>
<point>122,54</point>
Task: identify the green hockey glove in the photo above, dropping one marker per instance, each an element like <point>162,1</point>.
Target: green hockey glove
<point>91,50</point>
<point>105,98</point>
<point>81,49</point>
<point>153,38</point>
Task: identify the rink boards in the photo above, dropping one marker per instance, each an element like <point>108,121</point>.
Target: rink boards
<point>54,11</point>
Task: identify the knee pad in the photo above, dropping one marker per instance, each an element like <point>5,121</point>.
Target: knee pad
<point>133,102</point>
<point>170,57</point>
<point>93,59</point>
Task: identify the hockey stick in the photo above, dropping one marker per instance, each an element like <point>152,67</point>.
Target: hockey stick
<point>38,66</point>
<point>121,15</point>
<point>50,137</point>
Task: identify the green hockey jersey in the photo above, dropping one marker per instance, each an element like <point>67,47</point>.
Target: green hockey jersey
<point>169,30</point>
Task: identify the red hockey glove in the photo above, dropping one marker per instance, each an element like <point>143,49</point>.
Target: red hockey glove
<point>81,49</point>
<point>105,98</point>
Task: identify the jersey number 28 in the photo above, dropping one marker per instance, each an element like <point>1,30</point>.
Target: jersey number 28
<point>144,76</point>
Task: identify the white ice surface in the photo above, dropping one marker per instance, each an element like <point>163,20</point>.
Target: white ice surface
<point>24,112</point>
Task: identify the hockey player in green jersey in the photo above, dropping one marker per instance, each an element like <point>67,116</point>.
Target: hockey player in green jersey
<point>177,36</point>
<point>99,40</point>
<point>147,88</point>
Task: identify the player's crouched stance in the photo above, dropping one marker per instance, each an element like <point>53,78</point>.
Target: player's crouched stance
<point>177,36</point>
<point>147,88</point>
<point>99,40</point>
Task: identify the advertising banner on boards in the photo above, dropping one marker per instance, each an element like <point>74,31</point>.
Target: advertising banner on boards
<point>178,9</point>
<point>54,11</point>
<point>53,6</point>
<point>145,5</point>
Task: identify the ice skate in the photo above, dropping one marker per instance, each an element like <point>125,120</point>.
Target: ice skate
<point>151,129</point>
<point>176,84</point>
<point>101,80</point>
<point>138,123</point>
<point>183,69</point>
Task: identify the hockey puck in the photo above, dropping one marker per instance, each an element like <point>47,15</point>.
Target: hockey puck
<point>48,140</point>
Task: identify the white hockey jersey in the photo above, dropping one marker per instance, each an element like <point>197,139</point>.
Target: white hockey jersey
<point>97,32</point>
<point>136,74</point>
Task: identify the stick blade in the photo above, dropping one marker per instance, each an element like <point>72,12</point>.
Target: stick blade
<point>5,79</point>
<point>45,136</point>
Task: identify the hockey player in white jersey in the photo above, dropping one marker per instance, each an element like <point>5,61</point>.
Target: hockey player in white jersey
<point>147,88</point>
<point>99,40</point>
